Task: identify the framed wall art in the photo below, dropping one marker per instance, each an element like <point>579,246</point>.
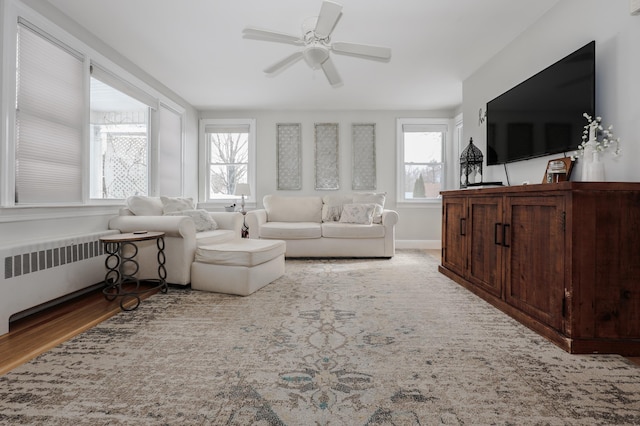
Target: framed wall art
<point>363,154</point>
<point>326,138</point>
<point>289,161</point>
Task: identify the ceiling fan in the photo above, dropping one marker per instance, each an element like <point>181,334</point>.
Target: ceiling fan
<point>317,45</point>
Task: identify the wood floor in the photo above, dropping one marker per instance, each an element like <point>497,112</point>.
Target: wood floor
<point>36,334</point>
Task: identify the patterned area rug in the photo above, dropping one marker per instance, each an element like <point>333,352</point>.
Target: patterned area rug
<point>333,342</point>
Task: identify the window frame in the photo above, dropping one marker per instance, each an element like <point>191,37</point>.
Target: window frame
<point>205,155</point>
<point>437,124</point>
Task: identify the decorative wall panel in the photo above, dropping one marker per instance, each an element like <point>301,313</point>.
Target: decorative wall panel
<point>289,156</point>
<point>327,176</point>
<point>363,155</point>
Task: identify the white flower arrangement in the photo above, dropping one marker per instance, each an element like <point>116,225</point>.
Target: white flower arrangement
<point>597,137</point>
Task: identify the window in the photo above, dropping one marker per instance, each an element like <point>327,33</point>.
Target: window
<point>76,128</point>
<point>421,147</point>
<point>49,119</point>
<point>229,147</point>
<point>119,138</point>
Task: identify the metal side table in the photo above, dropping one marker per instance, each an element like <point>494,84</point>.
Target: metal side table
<point>122,267</point>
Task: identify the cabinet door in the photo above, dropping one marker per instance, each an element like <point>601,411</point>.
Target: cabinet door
<point>534,256</point>
<point>454,214</point>
<point>484,247</point>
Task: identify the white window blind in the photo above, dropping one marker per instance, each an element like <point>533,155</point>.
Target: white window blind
<point>49,120</point>
<point>421,128</point>
<point>123,86</point>
<point>170,152</point>
<point>230,128</point>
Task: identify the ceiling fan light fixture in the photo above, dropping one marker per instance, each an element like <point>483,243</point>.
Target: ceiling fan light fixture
<point>315,55</point>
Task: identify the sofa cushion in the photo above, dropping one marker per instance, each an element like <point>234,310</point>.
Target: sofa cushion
<point>290,230</point>
<point>292,209</point>
<point>214,237</point>
<point>357,213</point>
<point>201,218</point>
<point>176,204</point>
<point>240,253</point>
<point>377,198</point>
<point>141,205</point>
<point>351,230</point>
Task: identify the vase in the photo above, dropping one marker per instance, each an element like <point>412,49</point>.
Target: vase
<point>597,168</point>
<point>593,167</point>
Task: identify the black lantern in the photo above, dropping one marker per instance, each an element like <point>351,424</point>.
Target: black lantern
<point>470,165</point>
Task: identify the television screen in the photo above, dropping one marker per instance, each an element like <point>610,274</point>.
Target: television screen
<point>544,114</point>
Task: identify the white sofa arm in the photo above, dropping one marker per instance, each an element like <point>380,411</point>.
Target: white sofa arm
<point>173,226</point>
<point>389,217</point>
<point>228,220</point>
<point>254,219</point>
<point>179,249</point>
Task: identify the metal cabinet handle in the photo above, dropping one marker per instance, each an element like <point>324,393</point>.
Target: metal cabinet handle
<point>463,226</point>
<point>505,228</point>
<point>495,233</point>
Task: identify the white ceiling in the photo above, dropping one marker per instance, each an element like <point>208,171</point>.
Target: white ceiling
<point>195,47</point>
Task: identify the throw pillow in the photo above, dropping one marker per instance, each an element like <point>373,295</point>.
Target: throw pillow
<point>176,204</point>
<point>357,213</point>
<point>331,213</point>
<point>332,206</point>
<point>201,218</point>
<point>372,197</point>
<point>141,205</point>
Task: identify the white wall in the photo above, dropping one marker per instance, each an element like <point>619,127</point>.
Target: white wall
<point>417,225</point>
<point>565,28</point>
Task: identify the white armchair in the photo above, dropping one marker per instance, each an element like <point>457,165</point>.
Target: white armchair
<point>181,238</point>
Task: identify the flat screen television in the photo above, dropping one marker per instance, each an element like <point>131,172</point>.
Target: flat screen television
<point>543,115</point>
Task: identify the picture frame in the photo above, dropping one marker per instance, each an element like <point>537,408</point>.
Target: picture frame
<point>559,177</point>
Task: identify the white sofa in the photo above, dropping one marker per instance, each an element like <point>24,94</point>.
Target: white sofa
<point>185,232</point>
<point>329,226</point>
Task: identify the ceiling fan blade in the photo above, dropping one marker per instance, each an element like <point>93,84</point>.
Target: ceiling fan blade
<point>294,57</point>
<point>268,35</point>
<point>329,14</point>
<point>362,50</point>
<point>331,72</point>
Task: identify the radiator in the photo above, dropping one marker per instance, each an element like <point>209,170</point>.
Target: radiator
<point>38,272</point>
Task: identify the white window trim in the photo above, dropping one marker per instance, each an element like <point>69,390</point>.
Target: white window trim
<point>11,10</point>
<point>456,149</point>
<point>155,129</point>
<point>438,123</point>
<point>203,154</point>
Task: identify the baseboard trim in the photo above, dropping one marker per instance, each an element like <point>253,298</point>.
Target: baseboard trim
<point>419,244</point>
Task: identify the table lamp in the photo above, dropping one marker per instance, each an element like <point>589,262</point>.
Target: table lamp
<point>242,189</point>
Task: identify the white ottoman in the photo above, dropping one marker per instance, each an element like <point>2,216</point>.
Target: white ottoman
<point>238,267</point>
